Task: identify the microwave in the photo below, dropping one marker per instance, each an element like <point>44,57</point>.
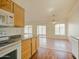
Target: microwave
<point>6,18</point>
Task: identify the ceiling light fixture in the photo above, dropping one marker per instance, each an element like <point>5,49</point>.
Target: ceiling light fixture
<point>53,21</point>
<point>51,9</point>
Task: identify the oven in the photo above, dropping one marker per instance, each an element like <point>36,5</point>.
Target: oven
<point>11,51</point>
<point>11,55</point>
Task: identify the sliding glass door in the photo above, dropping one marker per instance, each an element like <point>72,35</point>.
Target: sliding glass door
<point>41,30</point>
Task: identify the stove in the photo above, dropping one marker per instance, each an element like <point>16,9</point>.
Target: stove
<point>10,49</point>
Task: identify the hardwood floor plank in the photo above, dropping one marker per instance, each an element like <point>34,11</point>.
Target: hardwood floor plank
<point>54,49</point>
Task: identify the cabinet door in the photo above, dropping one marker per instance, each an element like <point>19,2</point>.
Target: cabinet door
<point>26,49</point>
<point>37,42</point>
<point>18,16</point>
<point>0,3</point>
<point>7,5</point>
<point>33,45</point>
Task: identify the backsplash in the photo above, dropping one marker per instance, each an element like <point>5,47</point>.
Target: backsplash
<point>11,31</point>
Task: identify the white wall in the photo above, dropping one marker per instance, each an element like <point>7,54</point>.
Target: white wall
<point>49,28</point>
<point>27,7</point>
<point>73,28</point>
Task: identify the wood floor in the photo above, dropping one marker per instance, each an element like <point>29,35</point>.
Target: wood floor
<point>53,49</point>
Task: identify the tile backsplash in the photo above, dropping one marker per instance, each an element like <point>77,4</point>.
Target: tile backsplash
<point>11,31</point>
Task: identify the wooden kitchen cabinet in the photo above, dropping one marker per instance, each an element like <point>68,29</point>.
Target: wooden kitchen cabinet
<point>29,47</point>
<point>7,5</point>
<point>10,6</point>
<point>33,45</point>
<point>18,16</point>
<point>0,3</point>
<point>37,43</point>
<point>26,49</point>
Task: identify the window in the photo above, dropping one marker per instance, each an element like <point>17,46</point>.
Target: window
<point>41,30</point>
<point>28,31</point>
<point>60,29</point>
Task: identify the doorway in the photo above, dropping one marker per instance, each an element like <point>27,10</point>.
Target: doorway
<point>41,32</point>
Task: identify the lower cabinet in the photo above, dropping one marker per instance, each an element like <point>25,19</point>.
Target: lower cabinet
<point>26,49</point>
<point>29,47</point>
<point>34,45</point>
<point>37,42</point>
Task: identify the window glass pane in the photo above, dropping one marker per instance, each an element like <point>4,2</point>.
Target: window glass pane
<point>44,30</point>
<point>57,32</point>
<point>60,29</point>
<point>28,31</point>
<point>41,29</point>
<point>26,36</point>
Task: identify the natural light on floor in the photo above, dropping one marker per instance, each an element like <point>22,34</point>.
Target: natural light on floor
<point>60,45</point>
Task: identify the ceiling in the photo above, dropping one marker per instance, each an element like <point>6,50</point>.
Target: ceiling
<point>41,11</point>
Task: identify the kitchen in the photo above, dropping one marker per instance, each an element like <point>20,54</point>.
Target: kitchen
<point>23,21</point>
<point>12,32</point>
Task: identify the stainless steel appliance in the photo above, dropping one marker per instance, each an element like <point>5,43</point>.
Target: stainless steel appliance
<point>6,18</point>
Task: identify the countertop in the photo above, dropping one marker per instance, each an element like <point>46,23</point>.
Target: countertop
<point>77,38</point>
<point>2,45</point>
<point>23,39</point>
<point>6,44</point>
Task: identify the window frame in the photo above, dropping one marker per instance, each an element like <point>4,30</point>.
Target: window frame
<point>28,34</point>
<point>41,30</point>
<point>60,33</point>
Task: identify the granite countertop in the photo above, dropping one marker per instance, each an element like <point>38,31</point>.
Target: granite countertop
<point>26,38</point>
<point>8,42</point>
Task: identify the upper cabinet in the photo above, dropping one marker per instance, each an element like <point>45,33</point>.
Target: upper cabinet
<point>7,5</point>
<point>10,6</point>
<point>0,3</point>
<point>18,15</point>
